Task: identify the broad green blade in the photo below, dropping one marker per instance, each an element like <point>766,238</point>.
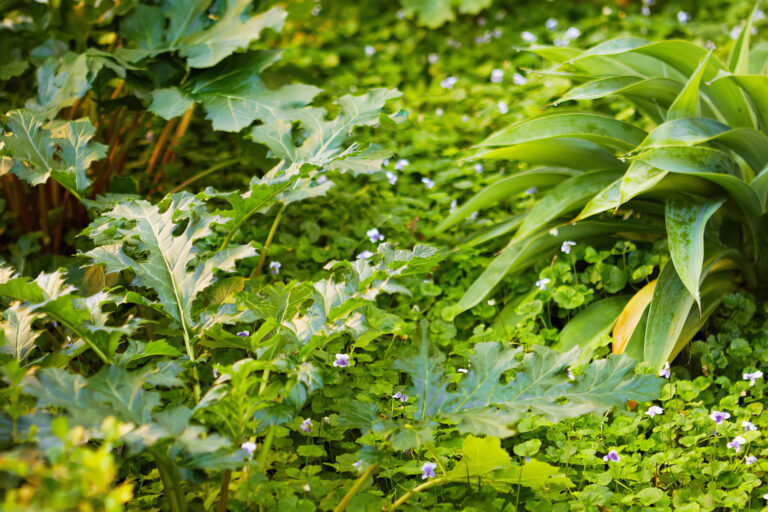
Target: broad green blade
<point>607,199</point>
<point>667,315</point>
<point>687,103</point>
<point>738,62</point>
<point>502,228</point>
<point>639,178</point>
<point>589,328</point>
<point>603,130</point>
<point>686,221</point>
<point>756,87</point>
<point>558,152</point>
<point>631,318</point>
<point>505,188</point>
<point>571,194</point>
<point>662,91</point>
<point>522,254</point>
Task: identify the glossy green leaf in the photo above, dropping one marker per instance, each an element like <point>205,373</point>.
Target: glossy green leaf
<point>687,103</point>
<point>686,220</point>
<point>557,152</point>
<point>590,326</point>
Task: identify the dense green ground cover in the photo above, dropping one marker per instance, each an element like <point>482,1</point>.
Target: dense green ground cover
<point>248,302</point>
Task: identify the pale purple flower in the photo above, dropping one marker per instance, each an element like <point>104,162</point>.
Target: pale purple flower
<point>654,410</point>
<point>462,370</point>
<point>306,426</point>
<point>391,177</point>
<point>473,216</point>
<point>749,460</point>
<point>481,21</point>
<point>497,32</point>
<point>751,377</point>
<point>248,447</point>
<point>748,426</point>
<point>664,372</point>
<point>369,50</point>
<point>612,456</point>
<point>244,334</point>
<point>400,396</point>
<point>497,75</point>
<point>551,24</point>
<point>454,204</point>
<point>478,167</point>
<point>274,267</point>
<point>464,118</point>
<point>718,416</point>
<point>735,31</point>
<point>449,82</point>
<point>364,255</point>
<point>572,33</point>
<point>566,247</point>
<point>400,164</point>
<point>215,373</point>
<point>646,11</point>
<point>316,10</point>
<point>531,191</point>
<point>342,360</point>
<point>542,283</point>
<point>427,182</point>
<point>150,136</point>
<point>432,58</point>
<point>683,17</point>
<point>322,179</point>
<point>428,469</point>
<point>528,37</point>
<point>358,463</point>
<point>503,107</point>
<point>374,235</point>
<point>519,79</point>
<point>439,112</point>
<point>570,374</point>
<point>737,443</point>
<point>400,14</point>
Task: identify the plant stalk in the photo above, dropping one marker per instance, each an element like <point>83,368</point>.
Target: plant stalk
<point>355,488</point>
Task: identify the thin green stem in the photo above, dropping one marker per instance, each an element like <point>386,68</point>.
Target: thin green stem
<point>355,488</point>
<point>270,236</point>
<point>261,462</point>
<point>419,488</point>
<point>80,334</point>
<point>202,174</point>
<point>253,210</point>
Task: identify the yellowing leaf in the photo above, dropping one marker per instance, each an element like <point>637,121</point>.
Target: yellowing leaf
<point>630,316</point>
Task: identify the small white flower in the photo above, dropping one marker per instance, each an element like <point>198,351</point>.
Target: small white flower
<point>462,370</point>
<point>439,112</point>
<point>664,372</point>
<point>400,14</point>
<point>542,283</point>
<point>370,50</point>
<point>519,79</point>
<point>374,235</point>
<point>751,377</point>
<point>566,247</point>
<point>572,33</point>
<point>454,204</point>
<point>464,118</point>
<point>737,443</point>
<point>554,232</point>
<point>654,410</point>
<point>364,255</point>
<point>491,302</point>
<point>478,167</point>
<point>607,11</point>
<point>683,17</point>
<point>401,164</point>
<point>427,182</point>
<point>735,31</point>
<point>646,11</point>
<point>248,447</point>
<point>316,10</point>
<point>765,496</point>
<point>432,58</point>
<point>274,267</point>
<point>503,107</point>
<point>391,177</point>
<point>306,488</point>
<point>528,37</point>
<point>449,82</point>
<point>321,179</point>
<point>551,24</point>
<point>570,374</point>
<point>749,460</point>
<point>497,75</point>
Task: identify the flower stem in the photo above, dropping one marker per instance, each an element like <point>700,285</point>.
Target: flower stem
<point>355,488</point>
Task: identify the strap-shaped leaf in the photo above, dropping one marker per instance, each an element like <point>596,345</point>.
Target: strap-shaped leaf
<point>557,152</point>
<point>686,220</point>
<point>590,327</point>
<point>596,128</point>
<point>504,188</point>
<point>163,262</point>
<point>569,195</point>
<point>667,314</point>
<point>631,316</point>
<point>662,91</point>
<point>738,61</point>
<point>687,102</point>
<point>519,255</point>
